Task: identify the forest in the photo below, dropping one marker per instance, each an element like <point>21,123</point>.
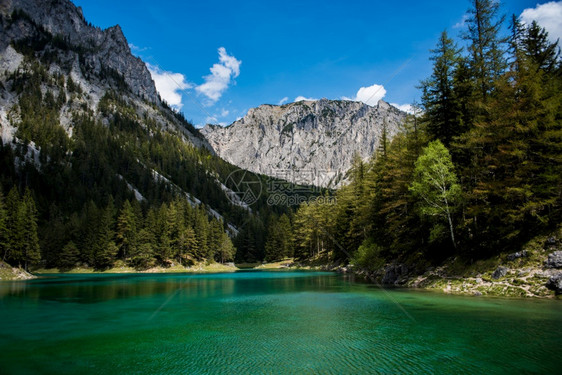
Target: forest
<point>477,170</point>
<point>115,184</point>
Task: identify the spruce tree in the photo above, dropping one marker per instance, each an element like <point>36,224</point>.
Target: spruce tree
<point>438,99</point>
<point>486,48</point>
<point>68,257</point>
<point>126,231</point>
<point>30,248</point>
<point>15,227</point>
<point>3,225</point>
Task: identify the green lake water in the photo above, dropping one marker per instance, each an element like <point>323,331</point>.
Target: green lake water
<point>266,323</point>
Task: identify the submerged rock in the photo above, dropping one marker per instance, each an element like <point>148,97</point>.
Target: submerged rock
<point>554,260</point>
<point>499,272</point>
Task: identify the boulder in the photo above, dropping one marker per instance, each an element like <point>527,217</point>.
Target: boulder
<point>499,272</point>
<point>393,273</point>
<point>516,255</point>
<point>555,283</point>
<point>554,260</point>
<point>550,242</point>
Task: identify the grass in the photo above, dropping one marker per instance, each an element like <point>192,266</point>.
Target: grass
<point>200,267</point>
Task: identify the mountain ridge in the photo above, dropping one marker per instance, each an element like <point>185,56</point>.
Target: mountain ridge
<point>306,142</point>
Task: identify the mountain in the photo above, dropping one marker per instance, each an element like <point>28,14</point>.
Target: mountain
<point>95,163</point>
<point>308,142</point>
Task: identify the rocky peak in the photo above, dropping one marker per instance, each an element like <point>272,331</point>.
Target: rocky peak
<point>103,49</point>
<point>311,142</point>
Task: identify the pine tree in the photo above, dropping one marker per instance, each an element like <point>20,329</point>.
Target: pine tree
<point>14,226</point>
<point>142,256</point>
<point>126,231</point>
<point>535,45</point>
<point>105,249</point>
<point>3,225</point>
<point>226,250</point>
<point>30,248</point>
<point>68,257</point>
<point>487,55</point>
<point>438,99</point>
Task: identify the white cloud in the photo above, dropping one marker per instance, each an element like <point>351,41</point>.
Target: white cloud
<point>300,98</point>
<point>214,121</point>
<point>369,95</point>
<point>547,15</point>
<point>220,78</point>
<point>224,112</point>
<point>404,107</point>
<point>136,49</point>
<point>169,85</point>
<point>283,101</point>
<point>461,23</point>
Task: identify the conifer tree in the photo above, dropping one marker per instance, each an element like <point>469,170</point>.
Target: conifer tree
<point>126,231</point>
<point>105,249</point>
<point>69,256</point>
<point>227,250</point>
<point>486,49</point>
<point>438,99</point>
<point>3,225</point>
<point>14,226</point>
<point>30,248</point>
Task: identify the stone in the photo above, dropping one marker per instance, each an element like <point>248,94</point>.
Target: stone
<point>499,272</point>
<point>554,260</point>
<point>307,142</point>
<point>550,242</point>
<point>555,283</point>
<point>478,280</point>
<point>102,49</point>
<point>393,274</point>
<point>477,294</point>
<point>516,255</point>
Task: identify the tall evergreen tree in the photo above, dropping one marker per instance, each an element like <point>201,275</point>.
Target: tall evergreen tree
<point>439,101</point>
<point>105,249</point>
<point>3,225</point>
<point>126,231</point>
<point>30,248</point>
<point>486,48</point>
<point>14,226</point>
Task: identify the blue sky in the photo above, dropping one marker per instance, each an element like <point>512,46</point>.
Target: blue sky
<point>273,52</point>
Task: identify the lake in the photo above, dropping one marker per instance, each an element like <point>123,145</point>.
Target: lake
<point>261,322</point>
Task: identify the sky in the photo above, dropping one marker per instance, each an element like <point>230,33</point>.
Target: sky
<point>213,60</point>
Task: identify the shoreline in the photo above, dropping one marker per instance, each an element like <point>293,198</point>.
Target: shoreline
<point>523,277</point>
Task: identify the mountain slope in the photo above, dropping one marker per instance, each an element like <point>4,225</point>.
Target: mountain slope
<point>310,142</point>
<point>85,134</point>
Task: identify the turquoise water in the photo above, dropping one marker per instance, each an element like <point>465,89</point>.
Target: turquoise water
<point>266,323</point>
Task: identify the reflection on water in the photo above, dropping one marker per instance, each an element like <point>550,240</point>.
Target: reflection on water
<point>266,322</point>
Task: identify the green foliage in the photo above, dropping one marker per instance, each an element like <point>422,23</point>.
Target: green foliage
<point>436,183</point>
<point>368,256</point>
<point>483,166</point>
<point>279,243</point>
<point>69,257</point>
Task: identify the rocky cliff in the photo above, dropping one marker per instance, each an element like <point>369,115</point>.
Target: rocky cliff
<point>97,50</point>
<point>309,142</point>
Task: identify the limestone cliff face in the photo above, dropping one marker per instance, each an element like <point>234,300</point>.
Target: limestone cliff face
<point>310,142</point>
<point>99,49</point>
